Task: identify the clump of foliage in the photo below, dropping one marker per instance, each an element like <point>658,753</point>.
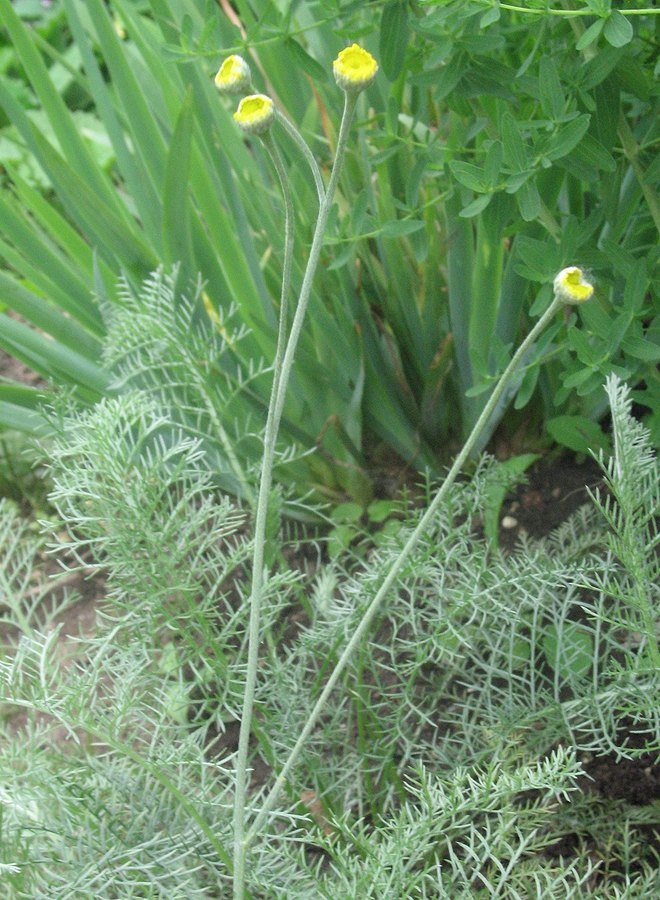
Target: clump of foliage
<point>498,146</point>
<point>449,756</point>
<point>419,712</point>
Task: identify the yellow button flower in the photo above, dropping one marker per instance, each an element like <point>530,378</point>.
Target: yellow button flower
<point>234,76</point>
<point>354,69</point>
<point>255,113</point>
<point>571,286</point>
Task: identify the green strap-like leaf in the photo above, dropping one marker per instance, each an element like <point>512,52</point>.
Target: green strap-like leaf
<point>176,227</point>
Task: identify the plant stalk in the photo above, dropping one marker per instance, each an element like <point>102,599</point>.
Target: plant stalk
<point>256,589</point>
<point>396,568</point>
<point>306,152</point>
<point>281,374</point>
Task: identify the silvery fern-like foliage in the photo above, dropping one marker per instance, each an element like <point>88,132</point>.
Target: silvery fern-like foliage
<point>161,342</point>
<point>446,763</point>
<point>206,376</point>
<point>123,788</point>
<point>478,656</point>
<point>102,794</point>
<point>201,370</point>
<point>474,829</point>
<point>27,598</point>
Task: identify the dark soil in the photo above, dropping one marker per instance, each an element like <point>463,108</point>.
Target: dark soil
<point>554,488</point>
<point>15,370</point>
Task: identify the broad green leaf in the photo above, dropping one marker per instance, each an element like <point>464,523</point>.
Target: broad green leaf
<point>539,259</point>
<point>449,76</point>
<point>577,433</point>
<point>578,378</point>
<point>590,35</point>
<point>339,539</point>
<point>380,510</point>
<point>493,163</point>
<point>618,31</point>
<point>635,78</point>
<point>491,15</point>
<point>469,175</point>
<point>618,328</point>
<point>608,109</point>
<point>568,136</point>
<point>596,320</point>
<point>585,348</point>
<point>478,389</point>
<point>527,387</point>
<point>394,33</point>
<point>593,153</point>
<point>347,512</point>
<point>550,91</point>
<point>477,206</point>
<point>176,700</point>
<point>634,291</point>
<point>521,651</point>
<point>514,151</point>
<point>529,202</point>
<point>599,67</point>
<point>569,651</point>
<point>642,349</point>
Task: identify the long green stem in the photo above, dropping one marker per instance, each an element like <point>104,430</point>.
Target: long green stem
<point>566,13</point>
<point>278,392</point>
<point>411,543</point>
<point>307,153</point>
<point>314,253</point>
<point>256,590</point>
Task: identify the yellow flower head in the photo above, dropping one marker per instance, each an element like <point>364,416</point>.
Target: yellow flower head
<point>354,68</point>
<point>234,76</point>
<point>571,286</point>
<point>255,113</point>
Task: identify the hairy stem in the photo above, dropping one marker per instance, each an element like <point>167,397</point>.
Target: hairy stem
<point>281,373</point>
<point>256,590</point>
<point>307,153</point>
<point>411,543</point>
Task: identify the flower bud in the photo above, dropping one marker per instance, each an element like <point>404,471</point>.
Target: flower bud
<point>234,76</point>
<point>354,69</point>
<point>255,113</point>
<point>571,286</point>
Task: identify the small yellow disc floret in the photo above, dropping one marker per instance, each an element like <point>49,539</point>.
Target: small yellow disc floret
<point>354,69</point>
<point>255,113</point>
<point>571,286</point>
<point>234,76</point>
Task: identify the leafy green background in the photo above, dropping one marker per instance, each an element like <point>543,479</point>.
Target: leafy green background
<point>496,146</point>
